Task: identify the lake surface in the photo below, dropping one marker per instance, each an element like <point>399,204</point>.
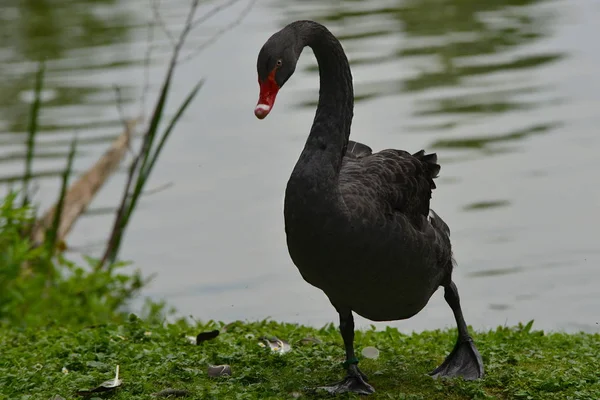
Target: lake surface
<point>506,94</point>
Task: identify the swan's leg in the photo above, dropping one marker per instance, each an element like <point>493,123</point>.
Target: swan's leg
<point>464,360</point>
<point>355,381</point>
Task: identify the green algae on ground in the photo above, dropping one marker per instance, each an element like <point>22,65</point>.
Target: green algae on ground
<point>520,363</point>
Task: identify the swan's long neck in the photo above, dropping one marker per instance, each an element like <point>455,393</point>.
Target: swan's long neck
<point>329,134</point>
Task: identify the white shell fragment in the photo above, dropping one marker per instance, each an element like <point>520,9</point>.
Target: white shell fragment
<point>112,383</point>
<point>191,339</point>
<point>370,352</point>
<point>219,370</point>
<point>105,386</point>
<point>276,345</point>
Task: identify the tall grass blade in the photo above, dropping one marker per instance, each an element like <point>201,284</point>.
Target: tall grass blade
<point>188,100</point>
<point>53,233</point>
<point>157,115</point>
<point>33,129</point>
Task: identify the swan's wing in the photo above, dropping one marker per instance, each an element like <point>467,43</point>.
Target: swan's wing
<point>388,182</point>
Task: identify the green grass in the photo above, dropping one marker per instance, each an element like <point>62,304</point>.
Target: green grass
<point>39,284</point>
<point>520,363</point>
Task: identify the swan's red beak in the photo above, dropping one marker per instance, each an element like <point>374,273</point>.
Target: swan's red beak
<point>266,99</point>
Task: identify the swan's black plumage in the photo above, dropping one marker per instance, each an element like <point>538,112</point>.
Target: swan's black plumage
<point>359,224</point>
<point>388,182</point>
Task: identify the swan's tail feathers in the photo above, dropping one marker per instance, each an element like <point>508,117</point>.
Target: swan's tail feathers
<point>430,163</point>
<point>358,150</point>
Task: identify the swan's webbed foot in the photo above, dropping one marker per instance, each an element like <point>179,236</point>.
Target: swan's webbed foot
<point>354,382</point>
<point>464,360</point>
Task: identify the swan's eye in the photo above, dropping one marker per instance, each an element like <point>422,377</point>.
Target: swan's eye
<point>279,63</point>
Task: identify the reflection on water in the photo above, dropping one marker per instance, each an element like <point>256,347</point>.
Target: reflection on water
<point>76,39</point>
<point>495,272</point>
<point>32,31</point>
<point>457,60</point>
<point>484,141</point>
<point>488,85</point>
<point>482,205</point>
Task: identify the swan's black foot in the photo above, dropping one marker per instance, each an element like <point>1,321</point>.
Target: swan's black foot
<point>355,382</point>
<point>464,360</point>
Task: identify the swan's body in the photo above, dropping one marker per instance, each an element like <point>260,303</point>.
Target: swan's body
<point>366,240</point>
<point>358,224</point>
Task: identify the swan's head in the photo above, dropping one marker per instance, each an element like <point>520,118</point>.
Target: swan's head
<point>276,63</point>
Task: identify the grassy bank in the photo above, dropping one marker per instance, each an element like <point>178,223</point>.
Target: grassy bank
<point>520,363</point>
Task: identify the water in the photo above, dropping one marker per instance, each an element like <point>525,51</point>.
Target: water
<point>506,94</point>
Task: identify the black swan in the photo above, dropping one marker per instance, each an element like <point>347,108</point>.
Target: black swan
<point>358,223</point>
